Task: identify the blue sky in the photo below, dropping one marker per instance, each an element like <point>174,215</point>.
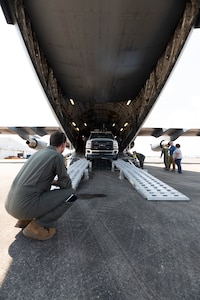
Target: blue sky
<point>23,102</point>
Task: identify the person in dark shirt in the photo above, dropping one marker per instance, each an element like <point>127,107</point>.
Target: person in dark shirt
<point>31,200</point>
<point>140,157</point>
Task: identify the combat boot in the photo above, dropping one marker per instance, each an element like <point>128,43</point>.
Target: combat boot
<point>35,231</point>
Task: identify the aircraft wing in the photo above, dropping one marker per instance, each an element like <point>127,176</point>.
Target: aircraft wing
<point>31,134</point>
<point>165,135</point>
<point>25,132</point>
<point>173,133</point>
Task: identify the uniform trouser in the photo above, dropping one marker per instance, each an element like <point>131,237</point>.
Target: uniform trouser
<point>178,163</point>
<point>166,162</point>
<point>141,161</point>
<point>45,208</point>
<point>171,162</point>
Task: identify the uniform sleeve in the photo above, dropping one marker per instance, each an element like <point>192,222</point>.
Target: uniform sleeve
<point>64,181</point>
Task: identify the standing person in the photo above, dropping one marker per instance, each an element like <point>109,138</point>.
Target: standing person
<point>171,160</point>
<point>165,154</point>
<point>177,155</point>
<point>30,199</point>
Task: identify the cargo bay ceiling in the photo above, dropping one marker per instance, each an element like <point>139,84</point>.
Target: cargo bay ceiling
<point>103,63</point>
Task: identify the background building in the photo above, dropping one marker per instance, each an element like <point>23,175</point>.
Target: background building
<point>10,148</point>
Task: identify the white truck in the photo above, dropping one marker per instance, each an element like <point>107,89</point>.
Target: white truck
<point>101,145</point>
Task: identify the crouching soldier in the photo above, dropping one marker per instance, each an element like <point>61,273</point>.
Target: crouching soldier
<point>31,200</point>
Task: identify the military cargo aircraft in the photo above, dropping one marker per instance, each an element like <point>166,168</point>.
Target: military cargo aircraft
<point>102,64</point>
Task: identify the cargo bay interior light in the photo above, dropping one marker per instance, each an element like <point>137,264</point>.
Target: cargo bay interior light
<point>128,102</point>
<point>71,101</point>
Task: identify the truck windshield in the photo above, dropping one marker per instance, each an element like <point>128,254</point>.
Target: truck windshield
<point>101,135</point>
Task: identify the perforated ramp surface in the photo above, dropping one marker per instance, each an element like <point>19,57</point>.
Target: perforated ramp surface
<point>147,185</point>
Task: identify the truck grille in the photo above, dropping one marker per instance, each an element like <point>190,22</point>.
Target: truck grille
<point>102,145</point>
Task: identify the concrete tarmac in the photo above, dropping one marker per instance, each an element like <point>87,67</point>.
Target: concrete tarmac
<point>112,244</point>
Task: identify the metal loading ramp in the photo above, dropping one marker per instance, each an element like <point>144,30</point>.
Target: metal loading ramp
<point>77,170</point>
<point>147,185</point>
